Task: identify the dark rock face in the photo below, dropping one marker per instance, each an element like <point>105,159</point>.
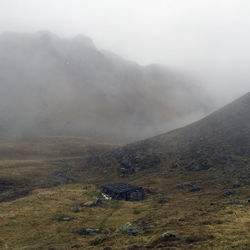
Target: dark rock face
<point>123,191</point>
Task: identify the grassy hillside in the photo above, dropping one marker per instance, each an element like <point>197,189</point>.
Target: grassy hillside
<point>26,164</point>
<point>202,220</point>
<point>205,219</point>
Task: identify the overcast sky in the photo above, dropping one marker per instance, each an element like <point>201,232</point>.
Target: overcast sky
<point>208,38</point>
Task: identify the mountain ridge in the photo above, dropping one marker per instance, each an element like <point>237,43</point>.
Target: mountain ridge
<point>52,86</point>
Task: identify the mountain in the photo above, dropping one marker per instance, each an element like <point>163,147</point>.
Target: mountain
<point>218,142</point>
<point>51,86</point>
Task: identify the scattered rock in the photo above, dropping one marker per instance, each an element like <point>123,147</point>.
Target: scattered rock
<point>236,185</point>
<point>193,167</point>
<point>197,166</point>
<point>127,228</point>
<point>65,219</point>
<point>195,189</point>
<point>184,185</point>
<point>229,192</point>
<point>169,236</point>
<point>75,209</point>
<point>211,169</point>
<point>176,165</point>
<point>89,204</point>
<point>132,160</point>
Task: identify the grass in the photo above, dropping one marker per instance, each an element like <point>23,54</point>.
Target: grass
<point>33,222</point>
<point>202,220</point>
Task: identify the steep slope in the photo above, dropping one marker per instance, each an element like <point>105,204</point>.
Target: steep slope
<point>219,140</point>
<point>53,86</point>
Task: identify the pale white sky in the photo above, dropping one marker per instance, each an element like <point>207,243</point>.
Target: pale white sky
<point>208,38</point>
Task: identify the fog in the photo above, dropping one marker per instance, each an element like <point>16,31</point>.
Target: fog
<point>204,44</point>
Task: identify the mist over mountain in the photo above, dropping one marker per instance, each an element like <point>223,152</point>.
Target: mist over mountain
<point>54,86</point>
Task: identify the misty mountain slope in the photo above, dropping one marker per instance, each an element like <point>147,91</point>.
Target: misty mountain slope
<point>219,140</point>
<point>53,86</point>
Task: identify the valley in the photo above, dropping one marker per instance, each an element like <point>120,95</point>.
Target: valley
<point>196,180</point>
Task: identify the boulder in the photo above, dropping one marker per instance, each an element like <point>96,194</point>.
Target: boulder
<point>127,228</point>
<point>65,219</point>
<point>236,185</point>
<point>211,169</point>
<point>75,209</point>
<point>89,204</point>
<point>169,236</point>
<point>195,189</point>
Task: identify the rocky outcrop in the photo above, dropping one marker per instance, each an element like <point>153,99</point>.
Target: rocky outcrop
<point>136,158</point>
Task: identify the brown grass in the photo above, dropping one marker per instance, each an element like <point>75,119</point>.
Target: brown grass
<point>202,220</point>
